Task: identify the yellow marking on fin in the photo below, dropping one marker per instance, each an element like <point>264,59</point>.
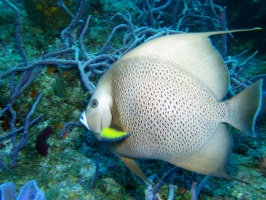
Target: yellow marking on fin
<point>110,133</point>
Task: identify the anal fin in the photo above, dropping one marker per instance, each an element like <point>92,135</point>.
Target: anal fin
<point>213,157</point>
<point>133,166</point>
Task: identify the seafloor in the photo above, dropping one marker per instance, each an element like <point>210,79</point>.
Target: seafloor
<point>68,169</point>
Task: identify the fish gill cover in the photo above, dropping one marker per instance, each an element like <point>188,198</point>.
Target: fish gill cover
<point>83,39</point>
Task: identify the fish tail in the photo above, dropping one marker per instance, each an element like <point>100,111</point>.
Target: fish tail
<point>244,108</point>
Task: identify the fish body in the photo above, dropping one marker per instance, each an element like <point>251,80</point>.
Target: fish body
<point>162,106</point>
<point>168,95</point>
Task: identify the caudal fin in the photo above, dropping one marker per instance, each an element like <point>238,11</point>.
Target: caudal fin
<point>244,108</point>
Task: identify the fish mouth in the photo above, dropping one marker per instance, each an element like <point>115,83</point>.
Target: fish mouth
<point>83,120</point>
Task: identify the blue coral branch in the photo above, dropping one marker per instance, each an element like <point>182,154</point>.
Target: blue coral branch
<point>66,33</point>
<point>18,31</point>
<point>61,5</point>
<point>84,30</point>
<point>24,137</point>
<point>27,82</point>
<point>66,126</point>
<point>12,123</point>
<point>162,181</point>
<point>3,166</point>
<point>195,187</point>
<point>33,108</point>
<point>21,129</point>
<point>95,176</point>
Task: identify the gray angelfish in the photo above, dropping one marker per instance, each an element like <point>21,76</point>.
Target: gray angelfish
<point>164,100</point>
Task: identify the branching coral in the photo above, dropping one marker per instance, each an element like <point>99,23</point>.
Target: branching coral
<point>152,20</point>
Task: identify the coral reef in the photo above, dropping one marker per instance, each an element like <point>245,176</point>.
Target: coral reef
<point>83,39</point>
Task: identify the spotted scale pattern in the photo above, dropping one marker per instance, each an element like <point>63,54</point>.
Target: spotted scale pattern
<point>168,113</point>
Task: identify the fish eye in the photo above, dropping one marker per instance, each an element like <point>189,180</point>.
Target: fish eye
<point>94,103</point>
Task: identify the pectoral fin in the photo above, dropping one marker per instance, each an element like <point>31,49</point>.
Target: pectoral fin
<point>133,166</point>
<point>112,135</point>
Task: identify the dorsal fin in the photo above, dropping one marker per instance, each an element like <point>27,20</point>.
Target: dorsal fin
<point>192,52</point>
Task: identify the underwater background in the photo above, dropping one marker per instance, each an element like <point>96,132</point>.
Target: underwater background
<point>52,53</point>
